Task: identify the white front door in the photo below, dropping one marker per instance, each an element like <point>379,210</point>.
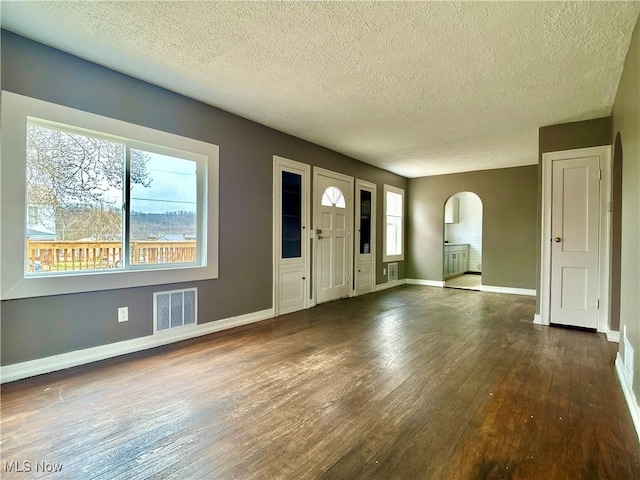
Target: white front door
<point>574,241</point>
<point>365,244</point>
<point>291,237</point>
<point>333,219</point>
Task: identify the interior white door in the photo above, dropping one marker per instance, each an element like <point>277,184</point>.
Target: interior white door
<point>291,214</point>
<point>333,220</point>
<point>574,243</point>
<point>365,237</point>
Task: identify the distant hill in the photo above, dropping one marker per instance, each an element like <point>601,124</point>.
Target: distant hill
<point>146,226</point>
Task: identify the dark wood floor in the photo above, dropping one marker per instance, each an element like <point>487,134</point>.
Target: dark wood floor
<point>414,382</point>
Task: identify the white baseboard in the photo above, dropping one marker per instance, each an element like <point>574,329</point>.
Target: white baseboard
<point>537,319</point>
<point>629,396</point>
<point>510,290</point>
<point>396,283</point>
<point>612,336</point>
<point>17,371</point>
<point>428,283</point>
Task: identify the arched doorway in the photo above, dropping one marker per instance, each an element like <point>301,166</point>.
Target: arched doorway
<point>462,262</point>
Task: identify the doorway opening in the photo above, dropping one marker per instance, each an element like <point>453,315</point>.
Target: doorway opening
<point>462,249</point>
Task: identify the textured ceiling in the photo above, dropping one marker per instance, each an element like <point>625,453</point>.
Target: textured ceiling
<point>418,88</point>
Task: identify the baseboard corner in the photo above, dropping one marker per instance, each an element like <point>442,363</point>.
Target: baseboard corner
<point>613,336</point>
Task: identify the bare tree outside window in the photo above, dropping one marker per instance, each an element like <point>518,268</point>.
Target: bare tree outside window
<point>75,216</point>
<point>75,182</point>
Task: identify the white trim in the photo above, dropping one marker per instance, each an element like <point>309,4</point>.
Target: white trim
<point>288,165</point>
<point>385,286</point>
<point>604,255</point>
<point>427,283</point>
<point>362,185</point>
<point>613,336</point>
<point>604,152</point>
<point>15,111</point>
<point>537,319</point>
<point>509,290</point>
<point>399,191</point>
<point>629,396</point>
<point>10,373</point>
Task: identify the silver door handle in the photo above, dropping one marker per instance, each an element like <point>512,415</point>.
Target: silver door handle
<point>557,239</point>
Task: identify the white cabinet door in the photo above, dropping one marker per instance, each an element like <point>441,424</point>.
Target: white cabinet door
<point>464,260</point>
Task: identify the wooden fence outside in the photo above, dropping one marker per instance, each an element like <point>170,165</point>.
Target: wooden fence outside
<point>53,255</point>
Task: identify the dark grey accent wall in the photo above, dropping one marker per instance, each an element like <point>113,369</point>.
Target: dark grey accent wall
<point>566,136</point>
<point>508,227</point>
<point>40,327</point>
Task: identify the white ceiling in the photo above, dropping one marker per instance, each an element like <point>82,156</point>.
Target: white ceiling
<point>418,88</point>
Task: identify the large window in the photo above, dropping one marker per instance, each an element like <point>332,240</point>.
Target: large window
<point>394,216</point>
<point>92,203</point>
<point>78,181</point>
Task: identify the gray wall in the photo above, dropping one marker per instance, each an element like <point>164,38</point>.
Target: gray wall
<point>508,231</point>
<point>40,327</point>
<point>626,122</point>
<point>567,136</point>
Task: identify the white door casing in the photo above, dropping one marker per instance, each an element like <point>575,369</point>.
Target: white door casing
<point>574,248</point>
<point>291,264</point>
<point>333,212</point>
<point>365,244</point>
<point>600,230</point>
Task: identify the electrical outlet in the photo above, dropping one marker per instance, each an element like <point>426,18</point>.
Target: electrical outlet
<point>123,314</point>
<point>384,271</point>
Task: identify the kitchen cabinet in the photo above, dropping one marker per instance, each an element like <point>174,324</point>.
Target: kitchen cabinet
<point>456,259</point>
<point>452,210</point>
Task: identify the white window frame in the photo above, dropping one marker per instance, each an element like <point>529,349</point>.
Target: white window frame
<point>14,283</point>
<point>385,257</point>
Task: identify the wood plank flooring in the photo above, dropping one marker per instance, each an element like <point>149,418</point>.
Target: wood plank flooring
<point>409,383</point>
<point>467,281</point>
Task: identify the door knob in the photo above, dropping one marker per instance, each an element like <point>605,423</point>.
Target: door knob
<point>557,239</point>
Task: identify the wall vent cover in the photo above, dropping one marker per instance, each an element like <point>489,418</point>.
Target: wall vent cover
<point>175,308</point>
<point>393,272</point>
